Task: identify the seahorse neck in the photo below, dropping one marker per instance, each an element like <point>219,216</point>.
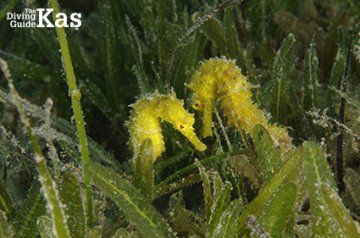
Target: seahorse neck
<point>151,108</point>
<point>161,108</point>
<point>157,109</point>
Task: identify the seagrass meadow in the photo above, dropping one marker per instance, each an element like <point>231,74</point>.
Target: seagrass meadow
<point>181,118</point>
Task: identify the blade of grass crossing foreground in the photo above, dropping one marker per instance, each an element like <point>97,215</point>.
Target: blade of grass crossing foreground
<point>338,211</point>
<point>268,154</point>
<point>136,207</point>
<point>291,167</point>
<point>78,114</point>
<point>49,188</point>
<point>277,217</point>
<point>317,173</point>
<point>70,194</point>
<point>221,199</point>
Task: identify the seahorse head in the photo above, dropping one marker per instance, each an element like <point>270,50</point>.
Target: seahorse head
<point>145,119</point>
<point>205,106</point>
<point>203,86</point>
<point>175,113</point>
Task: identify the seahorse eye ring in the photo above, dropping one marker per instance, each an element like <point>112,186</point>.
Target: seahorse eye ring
<point>196,105</point>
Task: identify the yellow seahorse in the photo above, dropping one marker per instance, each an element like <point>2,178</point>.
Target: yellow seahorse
<point>145,120</point>
<point>220,79</point>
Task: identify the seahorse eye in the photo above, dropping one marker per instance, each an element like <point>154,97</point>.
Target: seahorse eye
<point>196,105</point>
<point>182,127</point>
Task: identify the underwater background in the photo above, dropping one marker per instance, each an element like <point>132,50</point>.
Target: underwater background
<point>102,125</point>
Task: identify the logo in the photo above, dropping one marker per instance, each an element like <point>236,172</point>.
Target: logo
<point>41,17</point>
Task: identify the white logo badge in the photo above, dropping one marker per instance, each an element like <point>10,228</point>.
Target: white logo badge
<point>42,17</point>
